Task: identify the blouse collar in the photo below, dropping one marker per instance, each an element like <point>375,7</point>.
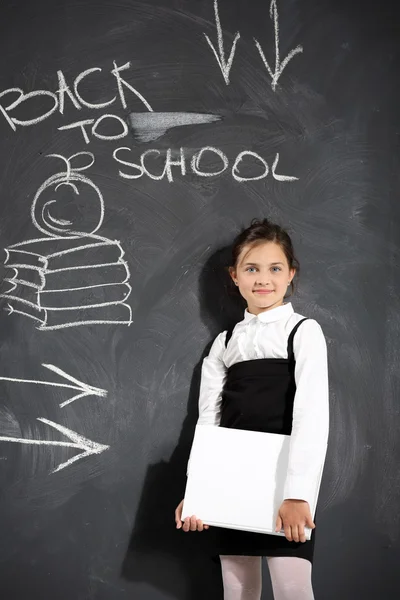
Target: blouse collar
<point>274,314</point>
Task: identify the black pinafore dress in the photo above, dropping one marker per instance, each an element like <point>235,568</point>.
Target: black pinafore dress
<point>258,395</point>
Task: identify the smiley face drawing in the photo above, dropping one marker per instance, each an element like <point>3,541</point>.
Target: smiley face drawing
<point>72,276</point>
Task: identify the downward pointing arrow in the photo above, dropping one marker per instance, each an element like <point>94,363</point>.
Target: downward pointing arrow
<point>224,63</point>
<point>77,441</point>
<point>279,65</point>
<point>83,388</point>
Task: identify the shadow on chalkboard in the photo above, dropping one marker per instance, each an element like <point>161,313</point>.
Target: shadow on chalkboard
<point>180,563</point>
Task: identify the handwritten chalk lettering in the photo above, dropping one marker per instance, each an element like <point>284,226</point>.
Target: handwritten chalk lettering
<point>103,136</point>
<point>63,88</point>
<point>240,157</point>
<point>95,124</point>
<point>58,100</point>
<point>195,164</point>
<point>78,80</point>
<point>80,124</point>
<point>127,163</point>
<point>121,83</point>
<point>169,162</point>
<point>12,121</point>
<point>281,177</point>
<point>145,169</point>
<point>141,166</point>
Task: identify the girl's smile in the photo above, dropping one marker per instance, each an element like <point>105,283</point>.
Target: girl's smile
<point>262,270</point>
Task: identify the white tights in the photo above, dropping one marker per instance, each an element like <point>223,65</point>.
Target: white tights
<point>290,577</point>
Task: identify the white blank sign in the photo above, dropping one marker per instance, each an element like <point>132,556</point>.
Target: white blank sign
<point>236,479</point>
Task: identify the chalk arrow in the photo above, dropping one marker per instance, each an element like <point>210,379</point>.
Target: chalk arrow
<point>224,64</point>
<point>83,388</point>
<point>77,441</point>
<point>279,66</point>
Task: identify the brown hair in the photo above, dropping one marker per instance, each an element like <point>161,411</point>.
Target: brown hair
<point>265,231</point>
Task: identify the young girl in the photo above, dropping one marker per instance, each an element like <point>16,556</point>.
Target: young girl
<point>269,374</point>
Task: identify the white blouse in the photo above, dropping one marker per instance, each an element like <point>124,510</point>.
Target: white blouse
<point>266,336</point>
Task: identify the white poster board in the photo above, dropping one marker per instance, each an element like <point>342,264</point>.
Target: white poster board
<point>236,479</point>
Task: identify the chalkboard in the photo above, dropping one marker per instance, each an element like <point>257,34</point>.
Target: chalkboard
<point>136,140</point>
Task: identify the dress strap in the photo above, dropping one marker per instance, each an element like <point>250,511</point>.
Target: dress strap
<point>228,335</point>
<point>291,336</point>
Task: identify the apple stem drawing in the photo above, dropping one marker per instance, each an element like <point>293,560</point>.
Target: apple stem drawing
<point>83,388</point>
<point>279,66</point>
<point>76,441</point>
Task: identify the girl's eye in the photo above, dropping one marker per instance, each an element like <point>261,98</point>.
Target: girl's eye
<point>279,269</point>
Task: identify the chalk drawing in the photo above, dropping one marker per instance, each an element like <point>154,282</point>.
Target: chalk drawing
<point>77,441</point>
<point>78,95</point>
<point>185,164</point>
<point>279,66</point>
<point>95,123</point>
<point>83,388</point>
<point>281,177</point>
<point>149,126</point>
<point>239,158</point>
<point>57,99</point>
<point>195,164</point>
<point>224,64</point>
<point>70,277</point>
<point>12,121</point>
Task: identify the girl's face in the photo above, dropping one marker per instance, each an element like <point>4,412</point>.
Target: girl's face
<point>262,268</point>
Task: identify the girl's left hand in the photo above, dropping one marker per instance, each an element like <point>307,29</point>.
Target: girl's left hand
<point>293,515</point>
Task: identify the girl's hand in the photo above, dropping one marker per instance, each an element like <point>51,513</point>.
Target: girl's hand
<point>190,523</point>
<point>293,515</point>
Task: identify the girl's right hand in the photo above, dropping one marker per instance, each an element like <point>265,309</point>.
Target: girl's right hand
<point>190,523</point>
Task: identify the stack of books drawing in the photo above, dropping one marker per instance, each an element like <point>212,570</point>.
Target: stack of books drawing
<point>67,281</point>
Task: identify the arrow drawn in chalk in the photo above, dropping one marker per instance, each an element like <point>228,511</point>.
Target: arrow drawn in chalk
<point>76,441</point>
<point>83,388</point>
<point>279,66</point>
<point>224,65</point>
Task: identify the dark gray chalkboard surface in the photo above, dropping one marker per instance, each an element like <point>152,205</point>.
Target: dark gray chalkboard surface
<point>136,138</point>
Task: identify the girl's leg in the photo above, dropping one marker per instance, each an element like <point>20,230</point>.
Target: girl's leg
<point>241,576</point>
<point>290,577</point>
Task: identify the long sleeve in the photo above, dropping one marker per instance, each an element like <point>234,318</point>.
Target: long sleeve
<point>213,376</point>
<point>310,426</point>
